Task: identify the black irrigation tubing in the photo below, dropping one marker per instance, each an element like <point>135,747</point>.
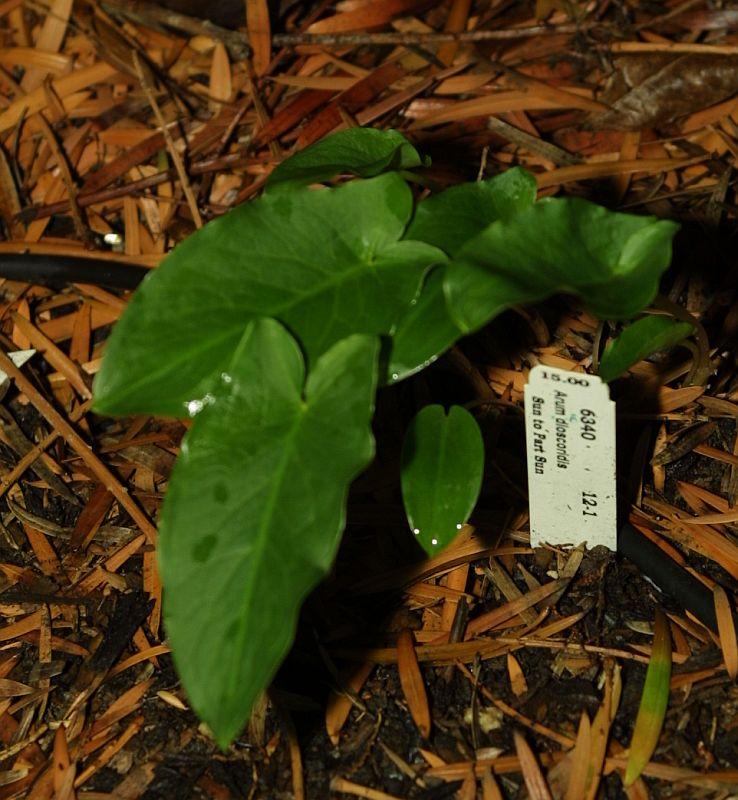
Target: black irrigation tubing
<point>52,270</point>
<point>671,579</point>
<point>662,571</point>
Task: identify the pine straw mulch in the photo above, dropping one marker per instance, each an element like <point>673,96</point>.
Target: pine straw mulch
<point>124,127</point>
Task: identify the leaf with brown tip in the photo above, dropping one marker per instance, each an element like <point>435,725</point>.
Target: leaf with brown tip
<point>654,701</point>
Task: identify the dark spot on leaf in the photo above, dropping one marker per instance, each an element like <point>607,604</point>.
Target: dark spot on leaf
<point>220,493</point>
<point>203,548</point>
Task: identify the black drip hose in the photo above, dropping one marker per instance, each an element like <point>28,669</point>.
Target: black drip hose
<point>51,270</point>
<point>668,576</point>
<point>662,571</point>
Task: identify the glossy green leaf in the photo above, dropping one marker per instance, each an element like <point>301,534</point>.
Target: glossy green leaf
<point>328,263</point>
<point>255,510</point>
<point>640,340</point>
<point>425,331</point>
<point>613,261</point>
<point>361,151</point>
<point>442,469</point>
<point>654,701</point>
<point>447,220</point>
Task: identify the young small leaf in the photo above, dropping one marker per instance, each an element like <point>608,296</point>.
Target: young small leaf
<point>255,510</point>
<point>327,263</point>
<point>442,469</point>
<point>654,701</point>
<point>614,261</point>
<point>361,151</point>
<point>448,220</point>
<point>643,338</point>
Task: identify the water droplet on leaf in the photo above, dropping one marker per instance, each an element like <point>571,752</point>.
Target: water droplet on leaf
<point>194,407</point>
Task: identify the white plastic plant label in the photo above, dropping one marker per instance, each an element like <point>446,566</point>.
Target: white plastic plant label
<point>570,435</point>
<point>19,358</point>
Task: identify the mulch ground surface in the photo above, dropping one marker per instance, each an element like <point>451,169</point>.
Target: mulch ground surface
<point>630,104</point>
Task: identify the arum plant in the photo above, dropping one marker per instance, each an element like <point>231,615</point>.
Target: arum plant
<point>643,338</point>
<point>273,326</point>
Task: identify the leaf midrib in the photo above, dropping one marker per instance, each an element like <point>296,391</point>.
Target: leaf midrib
<point>261,539</point>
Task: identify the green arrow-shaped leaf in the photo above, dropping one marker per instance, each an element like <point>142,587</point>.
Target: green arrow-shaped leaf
<point>328,263</point>
<point>255,509</point>
<point>638,341</point>
<point>614,261</point>
<point>361,151</point>
<point>442,469</point>
<point>448,220</point>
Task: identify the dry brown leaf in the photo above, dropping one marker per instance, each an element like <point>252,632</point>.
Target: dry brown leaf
<point>599,735</point>
<point>468,789</point>
<point>221,83</point>
<point>49,40</point>
<point>508,610</point>
<point>260,35</point>
<point>517,679</point>
<point>579,760</point>
<point>458,14</point>
<point>490,789</point>
<point>340,704</point>
<point>10,688</point>
<point>368,17</point>
<point>726,630</point>
<point>662,88</point>
<point>531,769</point>
<point>411,680</point>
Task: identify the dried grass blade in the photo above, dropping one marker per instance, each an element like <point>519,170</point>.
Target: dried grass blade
<point>726,630</point>
<point>509,610</point>
<point>534,778</point>
<point>411,680</point>
<point>654,701</point>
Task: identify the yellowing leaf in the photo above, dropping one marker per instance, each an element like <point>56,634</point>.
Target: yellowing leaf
<point>654,700</point>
